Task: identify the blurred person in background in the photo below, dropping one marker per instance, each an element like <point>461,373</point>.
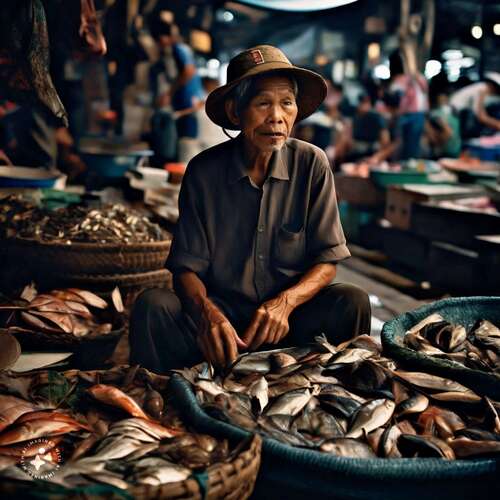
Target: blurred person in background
<point>442,128</point>
<point>412,92</point>
<point>472,103</point>
<point>366,134</point>
<point>209,134</point>
<point>175,82</point>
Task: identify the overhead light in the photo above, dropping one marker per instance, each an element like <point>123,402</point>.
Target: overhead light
<point>321,60</point>
<point>373,51</point>
<point>382,72</point>
<point>476,31</point>
<point>496,29</point>
<point>468,62</point>
<point>213,64</point>
<point>228,16</point>
<point>432,68</point>
<point>451,54</point>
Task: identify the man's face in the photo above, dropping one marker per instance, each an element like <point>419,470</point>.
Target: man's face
<point>268,119</point>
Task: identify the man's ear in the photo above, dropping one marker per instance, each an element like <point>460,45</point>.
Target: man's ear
<point>231,112</point>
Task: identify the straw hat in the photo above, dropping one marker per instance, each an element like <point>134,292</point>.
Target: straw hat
<point>257,61</point>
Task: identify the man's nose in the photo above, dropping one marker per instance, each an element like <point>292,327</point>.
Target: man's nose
<point>275,114</point>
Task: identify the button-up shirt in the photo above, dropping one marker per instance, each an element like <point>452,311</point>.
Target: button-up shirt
<point>248,243</point>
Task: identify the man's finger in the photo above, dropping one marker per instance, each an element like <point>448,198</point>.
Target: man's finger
<point>261,336</point>
<point>205,348</point>
<point>229,339</point>
<point>216,341</point>
<point>250,332</point>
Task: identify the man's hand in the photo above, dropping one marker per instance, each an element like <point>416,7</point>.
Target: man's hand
<point>270,323</point>
<point>217,338</point>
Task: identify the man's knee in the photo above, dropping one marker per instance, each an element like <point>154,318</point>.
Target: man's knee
<point>354,296</point>
<point>351,306</point>
<point>156,300</point>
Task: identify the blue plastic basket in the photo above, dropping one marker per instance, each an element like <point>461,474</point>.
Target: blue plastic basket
<point>462,310</point>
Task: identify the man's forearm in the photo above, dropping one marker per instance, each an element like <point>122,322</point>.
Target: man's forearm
<point>192,293</point>
<point>314,280</point>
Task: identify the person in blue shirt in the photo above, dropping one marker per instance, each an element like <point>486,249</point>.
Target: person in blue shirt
<point>174,79</point>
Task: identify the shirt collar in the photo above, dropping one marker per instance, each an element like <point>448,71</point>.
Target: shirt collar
<point>278,168</point>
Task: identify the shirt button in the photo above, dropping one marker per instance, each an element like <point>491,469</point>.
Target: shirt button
<point>260,256</point>
<point>260,229</point>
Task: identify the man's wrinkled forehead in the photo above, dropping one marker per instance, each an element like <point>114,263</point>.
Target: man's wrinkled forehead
<point>273,83</point>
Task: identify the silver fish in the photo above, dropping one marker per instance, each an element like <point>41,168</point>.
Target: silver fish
<point>352,356</point>
<point>345,447</point>
<point>291,403</point>
<point>414,404</point>
<point>464,447</point>
<point>370,416</point>
<point>259,391</point>
<point>428,381</point>
<point>433,318</point>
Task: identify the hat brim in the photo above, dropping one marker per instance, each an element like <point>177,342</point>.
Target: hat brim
<point>312,92</point>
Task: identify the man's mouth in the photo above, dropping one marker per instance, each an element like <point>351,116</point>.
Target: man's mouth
<point>273,134</point>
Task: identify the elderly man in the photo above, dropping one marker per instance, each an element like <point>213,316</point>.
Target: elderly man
<point>258,239</point>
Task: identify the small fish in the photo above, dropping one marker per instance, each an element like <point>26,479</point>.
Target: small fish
<point>428,381</point>
<point>11,408</point>
<point>153,428</point>
<point>117,300</point>
<point>114,397</point>
<point>37,428</point>
<point>346,447</point>
<point>153,403</point>
<point>291,403</point>
<point>389,442</point>
<point>352,356</point>
<point>425,446</point>
<point>89,298</point>
<point>459,397</point>
<point>279,360</point>
<point>259,391</point>
<point>465,448</point>
<point>371,415</point>
<point>414,404</point>
<point>433,318</point>
<point>165,474</point>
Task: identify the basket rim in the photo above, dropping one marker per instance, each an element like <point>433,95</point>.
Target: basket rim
<point>83,246</point>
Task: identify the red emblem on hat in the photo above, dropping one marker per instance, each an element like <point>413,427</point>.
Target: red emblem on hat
<point>257,56</point>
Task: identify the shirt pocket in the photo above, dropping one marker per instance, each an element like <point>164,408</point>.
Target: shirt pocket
<point>290,248</point>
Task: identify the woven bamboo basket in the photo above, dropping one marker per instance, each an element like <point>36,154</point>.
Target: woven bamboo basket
<point>232,480</point>
<point>86,258</point>
<point>89,352</point>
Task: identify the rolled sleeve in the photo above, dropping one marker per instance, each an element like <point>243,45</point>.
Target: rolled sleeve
<point>189,250</point>
<point>326,242</point>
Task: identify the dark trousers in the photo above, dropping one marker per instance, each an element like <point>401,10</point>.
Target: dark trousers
<point>163,337</point>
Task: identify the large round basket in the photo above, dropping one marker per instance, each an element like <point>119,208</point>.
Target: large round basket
<point>85,258</point>
<point>231,480</point>
<point>462,310</point>
<point>296,473</point>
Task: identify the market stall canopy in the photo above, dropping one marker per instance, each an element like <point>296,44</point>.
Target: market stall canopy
<point>298,5</point>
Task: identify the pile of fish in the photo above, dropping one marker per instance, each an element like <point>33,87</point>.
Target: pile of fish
<point>76,224</point>
<point>478,348</point>
<point>110,427</point>
<point>67,311</point>
<point>349,401</point>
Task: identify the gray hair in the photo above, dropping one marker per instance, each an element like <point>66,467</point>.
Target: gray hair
<point>246,90</point>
